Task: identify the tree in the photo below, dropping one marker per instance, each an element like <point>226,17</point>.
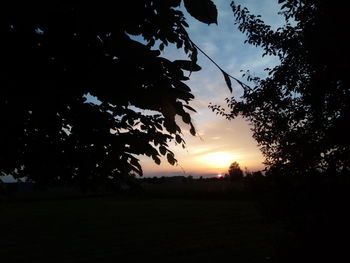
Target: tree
<point>300,114</point>
<point>55,54</point>
<point>235,172</point>
<point>300,111</point>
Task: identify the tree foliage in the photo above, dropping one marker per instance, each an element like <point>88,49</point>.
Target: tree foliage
<point>203,10</point>
<point>235,172</point>
<point>56,53</point>
<point>300,111</point>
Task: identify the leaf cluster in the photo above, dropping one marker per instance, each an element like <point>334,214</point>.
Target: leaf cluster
<point>56,53</point>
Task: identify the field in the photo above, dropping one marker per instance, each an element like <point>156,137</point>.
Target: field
<point>196,189</point>
<point>110,229</point>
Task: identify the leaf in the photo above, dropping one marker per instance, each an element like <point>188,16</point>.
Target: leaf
<point>162,150</point>
<point>203,10</point>
<point>194,55</point>
<point>228,80</point>
<point>170,126</point>
<point>179,44</point>
<point>135,162</point>
<point>192,130</point>
<point>186,118</point>
<point>187,65</point>
<point>184,24</point>
<point>190,108</point>
<point>161,46</point>
<point>178,138</point>
<point>181,86</point>
<point>151,42</point>
<point>171,158</point>
<point>156,159</point>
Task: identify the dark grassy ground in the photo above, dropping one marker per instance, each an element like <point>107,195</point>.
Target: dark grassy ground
<point>196,189</point>
<point>109,229</point>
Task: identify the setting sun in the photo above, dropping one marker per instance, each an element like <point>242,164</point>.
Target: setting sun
<point>218,159</point>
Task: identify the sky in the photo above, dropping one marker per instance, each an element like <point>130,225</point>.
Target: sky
<point>219,141</point>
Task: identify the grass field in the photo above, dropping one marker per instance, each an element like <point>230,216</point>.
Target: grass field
<point>108,229</point>
<point>196,189</point>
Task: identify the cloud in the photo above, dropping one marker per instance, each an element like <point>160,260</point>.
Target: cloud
<point>209,48</point>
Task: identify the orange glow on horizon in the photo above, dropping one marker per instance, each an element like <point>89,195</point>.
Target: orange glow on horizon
<point>218,160</point>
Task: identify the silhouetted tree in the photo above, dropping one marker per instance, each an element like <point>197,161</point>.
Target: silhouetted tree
<point>300,114</point>
<point>54,54</point>
<point>235,172</point>
<point>301,110</point>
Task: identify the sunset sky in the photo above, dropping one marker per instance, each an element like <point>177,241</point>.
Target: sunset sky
<point>220,142</point>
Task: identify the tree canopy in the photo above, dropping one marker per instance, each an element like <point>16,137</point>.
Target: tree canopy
<point>235,172</point>
<point>300,111</point>
<point>55,53</point>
